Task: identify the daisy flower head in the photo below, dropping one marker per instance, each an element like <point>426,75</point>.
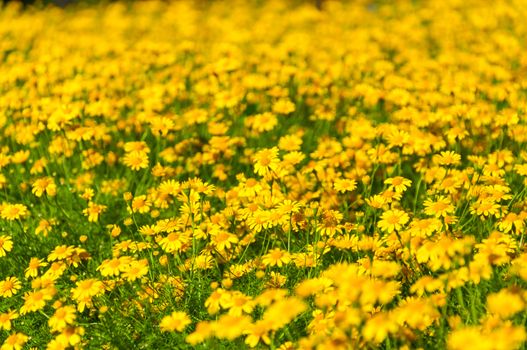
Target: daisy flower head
<point>283,106</point>
<point>266,161</point>
<point>393,220</point>
<point>176,321</point>
<point>448,158</point>
<point>93,211</point>
<point>136,160</point>
<point>442,206</point>
<point>399,184</point>
<point>12,212</point>
<point>344,185</point>
<point>276,257</point>
<point>15,341</point>
<point>9,287</point>
<point>44,185</point>
<point>6,245</point>
<point>6,318</point>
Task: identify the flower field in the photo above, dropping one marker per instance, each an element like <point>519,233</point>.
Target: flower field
<point>254,174</point>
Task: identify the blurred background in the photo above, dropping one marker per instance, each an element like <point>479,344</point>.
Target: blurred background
<point>317,3</point>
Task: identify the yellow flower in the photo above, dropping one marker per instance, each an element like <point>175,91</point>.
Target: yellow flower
<point>459,339</point>
<point>136,269</point>
<point>203,331</point>
<point>505,303</point>
<point>114,267</point>
<point>136,160</point>
<point>44,227</point>
<point>61,253</point>
<point>62,317</point>
<point>329,222</point>
<point>138,146</point>
<point>231,327</point>
<point>257,332</point>
<point>521,169</point>
<point>486,207</point>
<point>512,220</point>
<point>6,245</point>
<point>397,138</point>
<point>173,242</point>
<point>440,207</point>
<point>345,185</point>
<point>13,211</point>
<point>9,287</point>
<point>87,288</point>
<point>283,106</point>
<point>262,122</point>
<point>378,327</point>
<point>15,341</point>
<point>222,239</point>
<point>44,185</point>
<point>38,166</point>
<point>141,204</point>
<point>266,161</point>
<point>398,183</point>
<point>290,143</point>
<point>34,301</point>
<point>276,257</point>
<point>239,303</point>
<point>93,211</point>
<point>6,318</point>
<point>282,311</point>
<point>376,201</point>
<point>393,220</point>
<point>214,301</point>
<point>88,194</point>
<point>258,220</point>
<point>448,158</point>
<point>20,156</point>
<point>32,269</point>
<point>70,336</point>
<point>55,270</point>
<point>276,280</point>
<point>176,321</point>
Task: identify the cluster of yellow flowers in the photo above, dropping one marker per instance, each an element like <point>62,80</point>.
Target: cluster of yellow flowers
<point>264,174</point>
